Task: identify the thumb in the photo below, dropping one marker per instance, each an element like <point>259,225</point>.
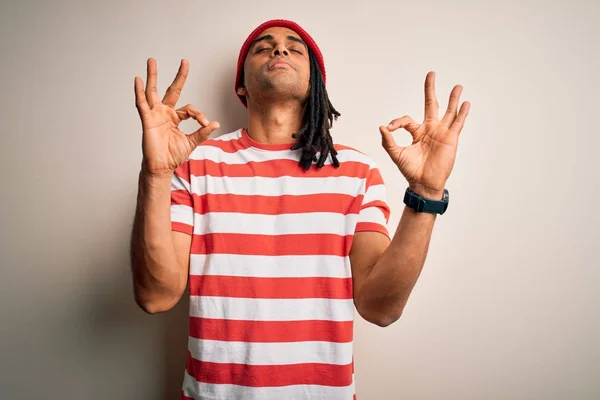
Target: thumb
<point>387,140</point>
<point>201,134</point>
<point>390,146</point>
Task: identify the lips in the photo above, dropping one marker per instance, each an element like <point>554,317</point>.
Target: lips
<point>278,62</point>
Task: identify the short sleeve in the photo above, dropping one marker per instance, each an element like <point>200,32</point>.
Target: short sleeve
<point>374,211</point>
<point>182,209</point>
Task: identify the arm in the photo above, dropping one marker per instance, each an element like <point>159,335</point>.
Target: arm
<point>160,249</point>
<point>385,272</point>
<point>159,256</point>
<point>385,275</point>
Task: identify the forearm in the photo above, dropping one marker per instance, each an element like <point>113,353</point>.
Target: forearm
<point>156,274</point>
<point>390,282</point>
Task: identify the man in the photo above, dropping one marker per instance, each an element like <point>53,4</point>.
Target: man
<point>280,232</point>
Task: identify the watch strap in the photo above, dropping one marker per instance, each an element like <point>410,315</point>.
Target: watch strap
<point>423,204</point>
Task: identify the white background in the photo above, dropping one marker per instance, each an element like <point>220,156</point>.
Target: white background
<point>507,304</point>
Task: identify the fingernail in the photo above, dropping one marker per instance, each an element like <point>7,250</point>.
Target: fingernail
<point>205,121</point>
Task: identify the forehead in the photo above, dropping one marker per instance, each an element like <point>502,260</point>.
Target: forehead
<point>276,31</point>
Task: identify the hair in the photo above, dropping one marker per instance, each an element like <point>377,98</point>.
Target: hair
<point>319,114</point>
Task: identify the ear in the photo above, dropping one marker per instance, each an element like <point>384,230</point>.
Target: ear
<point>242,91</point>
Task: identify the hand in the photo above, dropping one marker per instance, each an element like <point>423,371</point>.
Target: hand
<point>427,162</point>
<point>164,146</point>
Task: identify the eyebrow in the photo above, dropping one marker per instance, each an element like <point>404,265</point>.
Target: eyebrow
<point>270,37</point>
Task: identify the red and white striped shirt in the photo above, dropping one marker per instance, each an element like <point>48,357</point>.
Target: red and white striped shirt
<point>271,306</point>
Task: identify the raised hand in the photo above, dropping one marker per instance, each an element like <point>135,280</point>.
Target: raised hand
<point>427,162</point>
<point>164,146</point>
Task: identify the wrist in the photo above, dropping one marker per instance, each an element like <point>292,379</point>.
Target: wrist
<point>428,193</point>
<point>149,182</point>
<point>148,174</point>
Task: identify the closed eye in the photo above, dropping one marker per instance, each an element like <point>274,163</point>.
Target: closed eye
<point>266,48</point>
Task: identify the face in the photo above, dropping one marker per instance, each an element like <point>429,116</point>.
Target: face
<point>277,67</point>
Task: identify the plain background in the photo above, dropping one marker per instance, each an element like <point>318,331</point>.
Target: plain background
<point>507,304</point>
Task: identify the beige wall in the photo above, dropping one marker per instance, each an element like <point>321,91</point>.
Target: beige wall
<point>507,304</point>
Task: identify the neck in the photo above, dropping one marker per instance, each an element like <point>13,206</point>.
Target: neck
<point>275,122</point>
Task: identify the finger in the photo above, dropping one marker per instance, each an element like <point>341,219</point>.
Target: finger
<point>452,105</point>
<point>203,133</point>
<point>431,103</point>
<point>189,111</point>
<point>173,92</point>
<point>405,122</point>
<point>459,122</point>
<point>151,92</point>
<point>140,96</point>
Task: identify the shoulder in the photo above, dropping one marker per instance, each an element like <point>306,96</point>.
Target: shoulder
<point>347,153</point>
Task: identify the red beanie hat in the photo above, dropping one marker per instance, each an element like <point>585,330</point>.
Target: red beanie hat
<point>312,45</point>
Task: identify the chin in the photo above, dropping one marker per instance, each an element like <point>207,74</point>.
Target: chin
<point>285,88</point>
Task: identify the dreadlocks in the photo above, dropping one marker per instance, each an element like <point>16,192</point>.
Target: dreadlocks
<point>319,114</point>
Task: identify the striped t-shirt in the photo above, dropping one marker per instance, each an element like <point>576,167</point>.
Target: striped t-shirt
<point>271,307</point>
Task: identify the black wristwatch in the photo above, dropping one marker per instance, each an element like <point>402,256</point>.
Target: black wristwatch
<point>423,204</point>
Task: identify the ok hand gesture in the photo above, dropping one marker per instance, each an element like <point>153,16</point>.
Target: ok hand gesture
<point>164,146</point>
<point>427,162</point>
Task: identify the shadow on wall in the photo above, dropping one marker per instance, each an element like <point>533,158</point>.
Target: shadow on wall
<point>232,116</point>
<point>113,338</point>
<point>175,332</point>
<point>232,112</point>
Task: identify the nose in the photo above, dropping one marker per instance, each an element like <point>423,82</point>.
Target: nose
<point>280,50</point>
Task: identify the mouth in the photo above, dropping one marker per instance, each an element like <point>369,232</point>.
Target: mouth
<point>279,64</point>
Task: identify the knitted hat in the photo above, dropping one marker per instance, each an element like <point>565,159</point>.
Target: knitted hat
<point>312,45</point>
